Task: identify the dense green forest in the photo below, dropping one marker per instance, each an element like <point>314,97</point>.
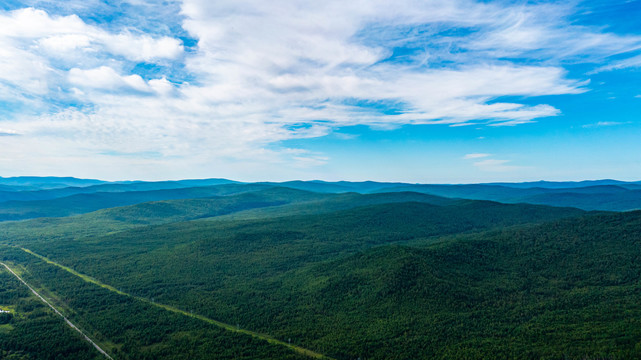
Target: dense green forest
<point>31,331</point>
<point>132,329</point>
<point>391,275</point>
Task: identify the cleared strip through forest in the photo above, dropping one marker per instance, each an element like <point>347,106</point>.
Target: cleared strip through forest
<point>220,324</point>
<point>59,313</point>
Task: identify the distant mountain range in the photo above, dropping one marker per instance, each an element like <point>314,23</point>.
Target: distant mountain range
<point>34,197</point>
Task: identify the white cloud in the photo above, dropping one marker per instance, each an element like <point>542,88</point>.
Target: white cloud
<point>621,64</point>
<point>106,78</point>
<point>604,123</point>
<point>142,48</point>
<point>31,27</point>
<point>475,156</point>
<point>292,60</point>
<point>8,132</point>
<point>64,43</point>
<point>288,59</point>
<point>542,32</point>
<point>490,165</point>
<point>266,72</point>
<point>22,69</point>
<point>162,86</point>
<point>495,165</point>
<point>36,49</point>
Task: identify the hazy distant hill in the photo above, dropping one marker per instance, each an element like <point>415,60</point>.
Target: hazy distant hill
<point>19,202</point>
<point>566,184</point>
<point>603,197</point>
<point>47,182</point>
<point>337,187</point>
<point>609,195</point>
<point>92,201</point>
<point>63,191</point>
<point>14,188</point>
<point>260,204</point>
<point>599,197</point>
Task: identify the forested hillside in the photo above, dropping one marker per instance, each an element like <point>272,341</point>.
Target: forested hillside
<point>259,271</point>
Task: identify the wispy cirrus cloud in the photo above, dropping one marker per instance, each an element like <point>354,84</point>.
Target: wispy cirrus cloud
<point>475,156</point>
<point>605,123</point>
<point>496,165</point>
<point>485,162</point>
<point>632,62</point>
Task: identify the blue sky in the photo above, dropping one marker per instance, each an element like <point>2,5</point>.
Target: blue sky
<point>433,91</point>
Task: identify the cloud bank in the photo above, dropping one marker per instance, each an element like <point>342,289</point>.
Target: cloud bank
<point>229,81</point>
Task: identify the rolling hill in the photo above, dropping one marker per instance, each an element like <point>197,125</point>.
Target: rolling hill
<point>597,197</point>
<point>345,271</point>
<point>241,271</point>
<point>19,204</point>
